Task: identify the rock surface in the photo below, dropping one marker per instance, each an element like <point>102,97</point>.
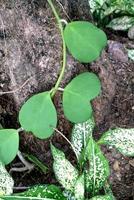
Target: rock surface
<point>30,49</point>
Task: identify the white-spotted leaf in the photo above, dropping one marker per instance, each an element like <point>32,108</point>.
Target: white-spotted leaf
<point>6,181</point>
<point>121,23</point>
<point>131,54</point>
<point>103,197</point>
<point>80,135</point>
<point>96,4</point>
<point>79,189</point>
<point>64,171</point>
<point>77,96</point>
<point>69,195</point>
<point>84,40</point>
<point>38,115</point>
<point>44,191</point>
<point>9,145</point>
<point>120,138</point>
<point>99,168</point>
<point>24,198</point>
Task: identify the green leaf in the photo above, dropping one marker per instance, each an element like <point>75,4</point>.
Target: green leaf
<point>6,181</point>
<point>9,144</point>
<point>44,191</point>
<point>69,195</point>
<point>24,198</point>
<point>121,23</point>
<point>120,138</point>
<point>131,54</point>
<point>96,4</point>
<point>103,197</point>
<point>99,168</point>
<point>84,40</point>
<point>79,189</point>
<point>77,95</point>
<point>64,171</point>
<point>80,135</point>
<point>38,115</point>
<point>37,163</point>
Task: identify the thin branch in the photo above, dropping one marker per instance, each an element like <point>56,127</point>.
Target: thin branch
<point>16,90</point>
<point>64,21</point>
<point>28,165</point>
<point>61,89</point>
<point>67,141</point>
<point>18,169</point>
<point>21,188</point>
<point>63,9</point>
<point>63,48</point>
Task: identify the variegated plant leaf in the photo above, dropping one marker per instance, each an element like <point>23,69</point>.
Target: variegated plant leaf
<point>42,192</point>
<point>124,6</point>
<point>69,195</point>
<point>110,10</point>
<point>131,54</point>
<point>121,23</point>
<point>120,138</point>
<point>80,134</point>
<point>6,181</point>
<point>79,189</point>
<point>95,4</point>
<point>98,171</point>
<point>64,171</point>
<point>103,197</point>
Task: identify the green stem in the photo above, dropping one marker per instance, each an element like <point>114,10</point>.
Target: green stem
<point>64,48</point>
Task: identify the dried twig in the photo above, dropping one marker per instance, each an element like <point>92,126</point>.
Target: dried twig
<point>16,90</point>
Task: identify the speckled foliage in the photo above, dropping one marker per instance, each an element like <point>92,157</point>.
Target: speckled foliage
<point>99,168</point>
<point>6,182</point>
<point>42,192</point>
<point>80,135</point>
<point>105,197</point>
<point>64,171</point>
<point>79,190</point>
<point>121,139</point>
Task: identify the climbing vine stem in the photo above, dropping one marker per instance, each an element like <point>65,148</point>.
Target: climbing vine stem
<point>64,48</point>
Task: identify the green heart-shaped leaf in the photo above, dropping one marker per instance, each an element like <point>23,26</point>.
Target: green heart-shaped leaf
<point>9,144</point>
<point>84,40</point>
<point>38,115</point>
<point>77,95</point>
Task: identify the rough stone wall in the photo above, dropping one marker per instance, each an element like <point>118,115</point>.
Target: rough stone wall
<point>30,48</point>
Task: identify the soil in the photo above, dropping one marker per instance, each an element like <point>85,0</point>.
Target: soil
<point>30,49</point>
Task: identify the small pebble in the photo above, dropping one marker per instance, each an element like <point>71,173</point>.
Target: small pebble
<point>127,167</point>
<point>116,166</point>
<point>117,51</point>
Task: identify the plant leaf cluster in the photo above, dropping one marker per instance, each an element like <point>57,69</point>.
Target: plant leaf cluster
<point>114,14</point>
<point>38,115</point>
<point>84,181</point>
